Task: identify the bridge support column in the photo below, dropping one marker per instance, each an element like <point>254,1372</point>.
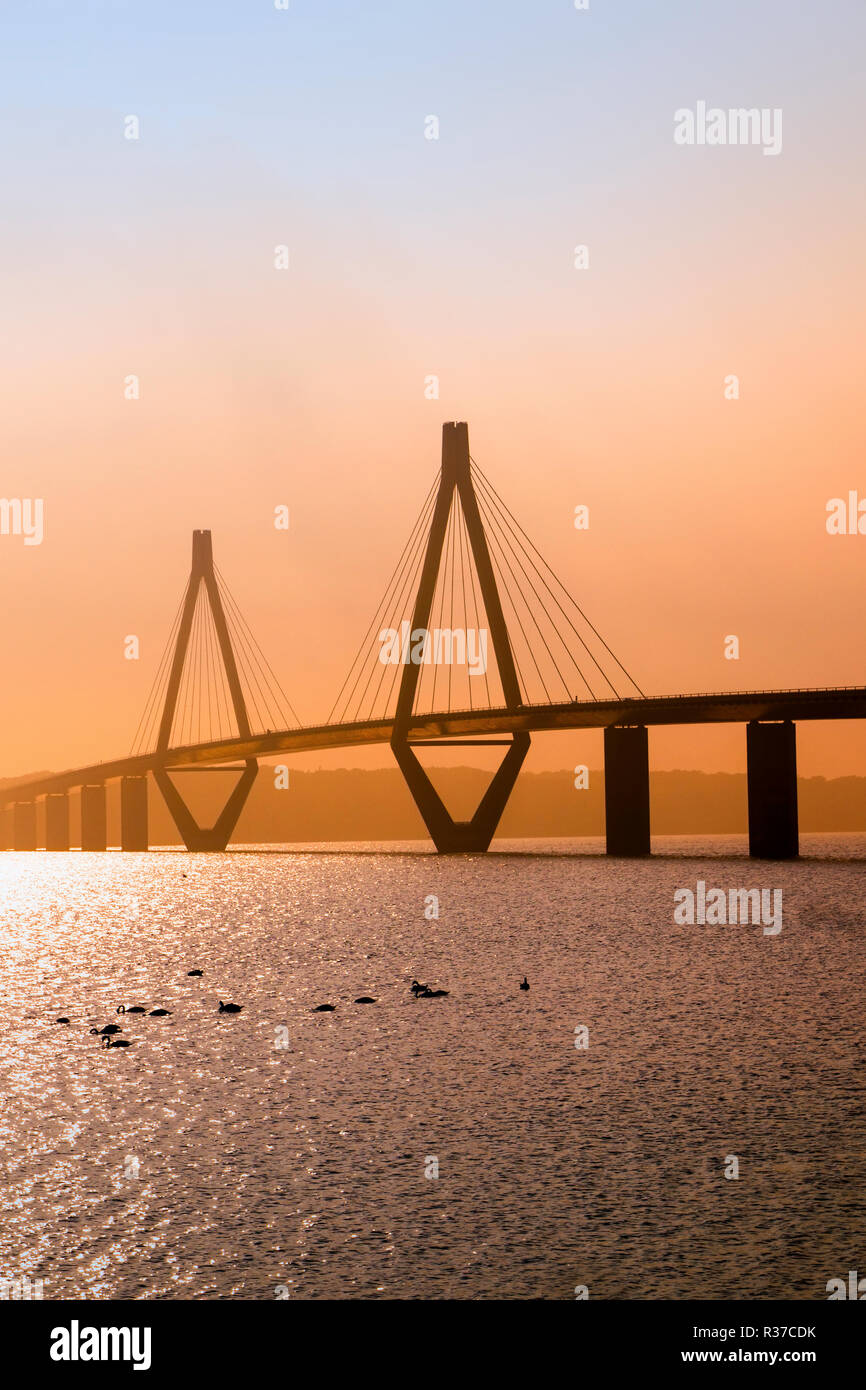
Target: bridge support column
<point>24,825</point>
<point>626,790</point>
<point>94,835</point>
<point>57,821</point>
<point>133,814</point>
<point>771,763</point>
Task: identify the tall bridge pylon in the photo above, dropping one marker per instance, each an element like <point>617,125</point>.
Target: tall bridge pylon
<point>448,835</point>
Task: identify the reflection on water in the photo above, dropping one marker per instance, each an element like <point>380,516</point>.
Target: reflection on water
<point>210,1161</point>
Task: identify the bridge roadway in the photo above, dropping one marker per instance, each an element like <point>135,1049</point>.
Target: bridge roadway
<point>841,702</point>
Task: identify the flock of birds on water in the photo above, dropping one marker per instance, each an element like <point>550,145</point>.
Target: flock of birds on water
<point>108,1034</point>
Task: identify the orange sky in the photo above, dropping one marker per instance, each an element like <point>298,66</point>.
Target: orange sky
<point>306,387</point>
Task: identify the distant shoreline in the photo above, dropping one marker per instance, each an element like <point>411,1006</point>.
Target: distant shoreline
<point>358,806</point>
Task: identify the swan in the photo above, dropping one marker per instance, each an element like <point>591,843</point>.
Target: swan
<point>365,999</point>
<point>61,1019</point>
<point>524,983</point>
<point>116,1042</point>
<point>195,972</point>
<point>107,1030</point>
<point>428,993</point>
<point>417,989</point>
<point>160,1013</point>
<point>324,1008</point>
<point>134,1009</point>
<point>230,1008</point>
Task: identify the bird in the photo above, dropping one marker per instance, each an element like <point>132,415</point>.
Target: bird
<point>324,1009</point>
<point>195,972</point>
<point>524,983</point>
<point>417,989</point>
<point>108,1029</point>
<point>428,993</point>
<point>134,1009</point>
<point>160,1013</point>
<point>62,1019</point>
<point>365,999</point>
<point>230,1008</point>
<point>116,1042</point>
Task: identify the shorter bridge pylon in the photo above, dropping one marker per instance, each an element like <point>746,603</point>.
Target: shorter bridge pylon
<point>195,836</point>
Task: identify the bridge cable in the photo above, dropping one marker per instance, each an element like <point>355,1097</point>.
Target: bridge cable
<point>147,723</point>
<point>256,657</point>
<point>255,665</point>
<point>398,604</point>
<point>363,650</point>
<point>503,564</point>
<point>404,600</point>
<point>505,543</point>
<point>408,561</point>
<point>551,618</point>
<point>497,500</point>
<point>463,600</point>
<point>476,611</point>
<point>507,549</point>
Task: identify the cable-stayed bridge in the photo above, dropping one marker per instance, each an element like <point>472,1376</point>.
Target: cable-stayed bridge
<point>475,643</point>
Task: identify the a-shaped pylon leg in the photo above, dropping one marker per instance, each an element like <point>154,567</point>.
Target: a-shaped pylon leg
<point>450,836</point>
<point>194,836</point>
<point>462,836</point>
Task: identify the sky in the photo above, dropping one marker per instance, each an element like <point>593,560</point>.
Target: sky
<point>411,258</point>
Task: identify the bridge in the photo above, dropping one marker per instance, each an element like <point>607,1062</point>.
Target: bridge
<point>216,704</point>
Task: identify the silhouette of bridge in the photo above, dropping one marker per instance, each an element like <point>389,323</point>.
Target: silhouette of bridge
<point>216,704</point>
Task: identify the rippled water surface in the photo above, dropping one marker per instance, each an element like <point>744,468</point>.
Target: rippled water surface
<point>209,1161</point>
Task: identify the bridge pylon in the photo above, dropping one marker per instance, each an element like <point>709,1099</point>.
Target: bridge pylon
<point>448,835</point>
<point>195,836</point>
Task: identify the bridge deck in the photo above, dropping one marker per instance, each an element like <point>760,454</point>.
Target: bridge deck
<point>738,707</point>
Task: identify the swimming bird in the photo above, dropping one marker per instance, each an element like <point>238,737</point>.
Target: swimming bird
<point>116,1042</point>
<point>365,999</point>
<point>108,1029</point>
<point>417,989</point>
<point>324,1009</point>
<point>134,1009</point>
<point>524,984</point>
<point>230,1008</point>
<point>428,993</point>
<point>160,1013</point>
<point>62,1019</point>
<point>195,972</point>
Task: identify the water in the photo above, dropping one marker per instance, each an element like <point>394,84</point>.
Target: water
<point>266,1172</point>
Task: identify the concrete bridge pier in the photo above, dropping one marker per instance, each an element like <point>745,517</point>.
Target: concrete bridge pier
<point>771,764</point>
<point>133,814</point>
<point>94,834</point>
<point>24,825</point>
<point>626,789</point>
<point>57,821</point>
